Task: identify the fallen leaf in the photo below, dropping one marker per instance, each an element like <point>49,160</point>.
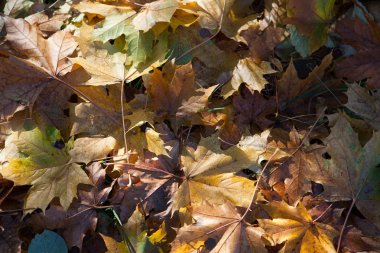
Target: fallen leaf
<point>209,169</point>
<point>249,73</point>
<point>290,85</point>
<point>51,171</point>
<point>311,19</point>
<point>364,63</point>
<point>364,104</point>
<point>353,169</point>
<point>154,12</point>
<point>252,108</point>
<point>295,227</point>
<point>218,228</point>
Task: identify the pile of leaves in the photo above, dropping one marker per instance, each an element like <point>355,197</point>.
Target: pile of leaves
<point>190,126</point>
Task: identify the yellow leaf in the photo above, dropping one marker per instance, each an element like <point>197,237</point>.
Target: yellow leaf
<point>295,227</point>
<point>154,143</point>
<point>158,11</point>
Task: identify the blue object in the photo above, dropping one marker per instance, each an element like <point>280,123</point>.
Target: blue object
<point>48,242</point>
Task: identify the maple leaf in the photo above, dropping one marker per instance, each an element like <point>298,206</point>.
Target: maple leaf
<point>364,63</point>
<point>80,217</point>
<point>262,43</point>
<point>302,167</point>
<point>139,117</point>
<point>45,59</point>
<point>249,73</point>
<point>50,54</point>
<point>152,13</point>
<point>51,171</point>
<point>218,228</point>
<point>184,45</point>
<point>252,109</point>
<point>174,92</point>
<point>229,132</point>
<point>364,104</point>
<point>119,21</point>
<point>290,85</point>
<point>295,227</point>
<point>218,15</point>
<point>86,119</point>
<point>107,65</point>
<point>209,169</point>
<point>353,169</point>
<point>311,19</point>
<point>148,139</point>
<point>153,189</point>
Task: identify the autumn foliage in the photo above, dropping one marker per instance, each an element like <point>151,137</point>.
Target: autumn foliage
<point>190,126</point>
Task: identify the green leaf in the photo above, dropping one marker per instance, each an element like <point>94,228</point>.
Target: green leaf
<point>114,26</point>
<point>140,45</point>
<point>47,242</point>
<point>52,172</point>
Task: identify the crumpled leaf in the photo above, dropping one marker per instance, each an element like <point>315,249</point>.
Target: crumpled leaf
<point>249,73</point>
<point>295,227</point>
<point>222,226</point>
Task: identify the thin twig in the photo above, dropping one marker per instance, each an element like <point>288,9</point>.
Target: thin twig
<point>325,211</point>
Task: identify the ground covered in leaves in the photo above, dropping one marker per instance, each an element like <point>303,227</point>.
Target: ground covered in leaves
<point>190,126</point>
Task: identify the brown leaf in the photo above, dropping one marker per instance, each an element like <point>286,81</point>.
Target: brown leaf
<point>219,228</point>
<point>290,85</point>
<point>252,108</point>
<point>24,79</point>
<point>366,61</point>
<point>365,104</point>
<point>251,74</point>
<point>21,83</point>
<point>298,170</point>
<point>262,43</point>
<point>173,91</point>
<point>80,217</point>
<point>50,54</point>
